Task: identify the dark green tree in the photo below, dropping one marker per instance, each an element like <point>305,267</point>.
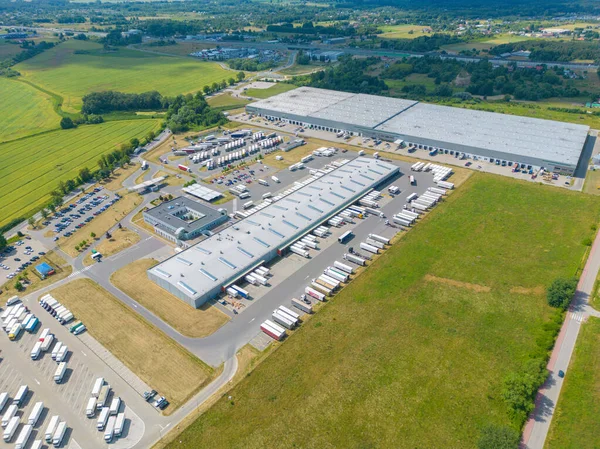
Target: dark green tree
<point>67,123</point>
<point>498,437</point>
<point>561,292</point>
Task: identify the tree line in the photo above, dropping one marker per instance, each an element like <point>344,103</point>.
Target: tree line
<point>482,78</point>
<point>552,50</point>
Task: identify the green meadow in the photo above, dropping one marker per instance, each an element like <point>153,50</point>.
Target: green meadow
<point>413,353</point>
<point>76,68</point>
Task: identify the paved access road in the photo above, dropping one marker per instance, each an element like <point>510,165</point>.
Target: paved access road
<point>536,429</point>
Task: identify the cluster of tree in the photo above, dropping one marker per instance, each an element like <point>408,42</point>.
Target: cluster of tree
<point>552,50</point>
<point>421,44</point>
<point>30,49</point>
<point>482,78</point>
<point>3,243</point>
<point>81,37</point>
<point>499,437</point>
<point>561,292</point>
<point>250,65</point>
<point>108,101</point>
<point>169,28</point>
<point>349,76</point>
<point>310,28</point>
<point>115,38</point>
<point>162,43</point>
<point>83,119</point>
<point>302,58</point>
<point>70,19</point>
<point>192,111</point>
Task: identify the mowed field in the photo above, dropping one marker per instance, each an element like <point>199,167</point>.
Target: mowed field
<point>413,353</point>
<point>25,111</point>
<point>402,31</point>
<point>76,68</point>
<point>277,89</point>
<point>576,422</point>
<point>32,167</point>
<point>155,358</point>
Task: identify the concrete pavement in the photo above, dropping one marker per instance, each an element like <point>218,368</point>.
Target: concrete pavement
<point>538,424</point>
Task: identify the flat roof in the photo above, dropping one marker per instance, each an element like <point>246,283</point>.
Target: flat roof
<point>226,255</point>
<point>202,192</point>
<point>182,212</point>
<point>512,134</point>
<point>547,140</point>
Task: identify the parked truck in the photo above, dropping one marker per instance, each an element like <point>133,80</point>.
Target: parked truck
<point>21,395</point>
<point>119,424</point>
<point>52,426</point>
<point>314,293</point>
<point>24,436</point>
<point>301,305</point>
<point>9,414</point>
<point>35,414</point>
<point>59,434</point>
<point>59,374</point>
<point>10,428</point>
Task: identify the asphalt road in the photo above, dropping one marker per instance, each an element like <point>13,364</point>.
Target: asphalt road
<point>536,429</point>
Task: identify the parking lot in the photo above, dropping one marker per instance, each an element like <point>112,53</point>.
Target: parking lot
<point>68,399</point>
<point>18,256</point>
<point>77,214</point>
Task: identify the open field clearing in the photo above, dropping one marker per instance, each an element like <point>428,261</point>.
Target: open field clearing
<point>121,239</point>
<point>26,110</point>
<point>72,75</point>
<point>154,357</point>
<point>225,101</point>
<point>402,31</point>
<point>34,282</point>
<point>101,224</point>
<point>298,69</point>
<point>592,182</point>
<point>195,323</point>
<point>398,361</point>
<point>575,424</point>
<point>32,167</point>
<point>278,88</point>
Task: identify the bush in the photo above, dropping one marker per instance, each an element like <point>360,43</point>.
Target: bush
<point>520,389</point>
<point>67,123</point>
<point>561,292</point>
<point>498,437</point>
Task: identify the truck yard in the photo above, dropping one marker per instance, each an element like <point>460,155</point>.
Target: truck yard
<point>266,302</point>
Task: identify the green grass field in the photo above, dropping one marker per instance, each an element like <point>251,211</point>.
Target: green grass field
<point>402,31</point>
<point>278,88</point>
<point>26,110</point>
<point>576,423</point>
<point>72,75</point>
<point>32,167</point>
<point>8,50</point>
<point>225,101</point>
<point>403,359</point>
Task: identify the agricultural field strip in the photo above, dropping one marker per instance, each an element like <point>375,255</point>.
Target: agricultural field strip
<point>27,111</point>
<point>45,175</point>
<point>14,157</point>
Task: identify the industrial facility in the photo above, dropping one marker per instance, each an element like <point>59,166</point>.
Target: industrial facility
<point>468,133</point>
<point>206,269</point>
<point>183,219</point>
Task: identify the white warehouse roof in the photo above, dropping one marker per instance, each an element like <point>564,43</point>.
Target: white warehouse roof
<point>512,134</point>
<point>463,129</point>
<point>225,256</point>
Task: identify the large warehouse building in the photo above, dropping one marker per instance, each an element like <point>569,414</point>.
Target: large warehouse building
<point>488,136</point>
<point>202,271</point>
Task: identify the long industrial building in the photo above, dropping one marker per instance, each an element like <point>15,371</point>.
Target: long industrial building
<point>204,270</point>
<point>489,136</point>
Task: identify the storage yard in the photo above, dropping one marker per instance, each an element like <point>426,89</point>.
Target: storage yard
<point>556,146</point>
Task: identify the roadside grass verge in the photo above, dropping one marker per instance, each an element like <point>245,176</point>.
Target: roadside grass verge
<point>195,323</point>
<point>277,89</point>
<point>120,239</point>
<point>155,358</point>
<point>32,167</point>
<point>575,424</point>
<point>396,361</point>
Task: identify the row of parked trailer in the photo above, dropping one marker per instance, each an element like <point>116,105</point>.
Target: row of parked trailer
<point>16,319</point>
<point>110,418</point>
<point>59,353</point>
<point>54,433</point>
<point>56,309</point>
